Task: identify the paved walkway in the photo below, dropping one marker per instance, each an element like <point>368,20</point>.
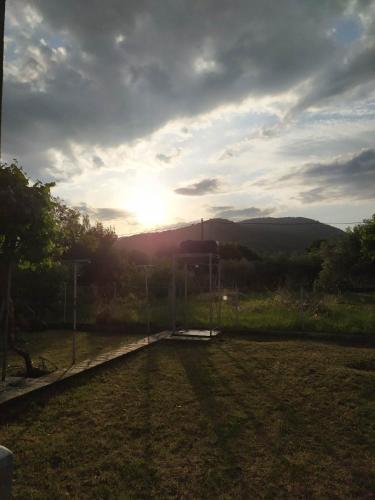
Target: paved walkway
<point>27,385</point>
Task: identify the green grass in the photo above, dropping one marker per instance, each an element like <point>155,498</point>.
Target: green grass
<point>284,311</point>
<point>234,418</point>
<point>55,346</point>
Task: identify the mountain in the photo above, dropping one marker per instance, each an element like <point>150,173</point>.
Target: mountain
<point>269,234</point>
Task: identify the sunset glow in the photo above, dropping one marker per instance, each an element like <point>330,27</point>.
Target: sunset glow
<point>147,202</point>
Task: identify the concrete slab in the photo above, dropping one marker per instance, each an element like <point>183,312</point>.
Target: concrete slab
<point>196,333</point>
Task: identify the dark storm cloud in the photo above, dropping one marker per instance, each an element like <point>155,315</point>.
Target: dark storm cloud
<point>200,188</point>
<point>217,209</point>
<point>344,75</point>
<point>106,214</point>
<point>131,66</point>
<point>351,178</point>
<point>240,213</point>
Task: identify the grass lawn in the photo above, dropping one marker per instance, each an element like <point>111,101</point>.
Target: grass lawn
<point>285,311</point>
<point>238,417</point>
<point>56,347</point>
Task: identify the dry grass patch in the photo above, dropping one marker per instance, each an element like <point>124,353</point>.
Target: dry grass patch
<point>234,418</point>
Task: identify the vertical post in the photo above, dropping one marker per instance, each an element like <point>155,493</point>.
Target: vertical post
<point>202,230</point>
<point>6,322</point>
<point>174,295</point>
<point>185,296</point>
<point>147,305</point>
<point>219,292</point>
<point>210,286</point>
<point>74,311</point>
<point>6,473</point>
<point>237,306</point>
<point>2,25</point>
<point>301,308</point>
<point>65,286</point>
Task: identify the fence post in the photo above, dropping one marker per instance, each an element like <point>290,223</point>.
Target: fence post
<point>301,308</point>
<point>6,473</point>
<point>210,286</point>
<point>174,298</point>
<point>237,307</point>
<point>185,295</point>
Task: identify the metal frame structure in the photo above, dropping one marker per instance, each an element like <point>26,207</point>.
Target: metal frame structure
<point>211,264</point>
<point>75,263</point>
<point>146,268</point>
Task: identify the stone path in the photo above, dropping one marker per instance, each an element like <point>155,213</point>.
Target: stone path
<point>28,385</point>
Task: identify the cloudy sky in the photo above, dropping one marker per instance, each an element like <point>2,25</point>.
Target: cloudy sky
<point>152,113</point>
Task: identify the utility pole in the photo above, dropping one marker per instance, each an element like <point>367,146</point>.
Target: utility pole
<point>202,229</point>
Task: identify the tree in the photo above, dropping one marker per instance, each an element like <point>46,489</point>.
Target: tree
<point>366,233</point>
<point>236,252</point>
<point>339,259</point>
<point>27,232</point>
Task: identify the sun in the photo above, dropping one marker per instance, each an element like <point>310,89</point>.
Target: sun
<point>147,202</point>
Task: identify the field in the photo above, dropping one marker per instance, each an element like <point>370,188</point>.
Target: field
<point>282,311</point>
<point>288,311</point>
<point>240,417</point>
<point>278,310</point>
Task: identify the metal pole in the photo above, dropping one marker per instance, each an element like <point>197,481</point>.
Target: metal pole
<point>185,296</point>
<point>74,311</point>
<point>301,308</point>
<point>237,306</point>
<point>210,284</point>
<point>219,292</point>
<point>147,306</point>
<point>2,24</point>
<point>174,295</point>
<point>65,286</point>
<point>6,323</point>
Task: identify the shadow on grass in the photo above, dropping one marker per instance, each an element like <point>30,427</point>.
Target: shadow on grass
<point>193,358</point>
<point>17,410</point>
<point>295,423</point>
<point>340,339</point>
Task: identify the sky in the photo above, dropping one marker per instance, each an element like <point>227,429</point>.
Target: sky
<point>150,114</point>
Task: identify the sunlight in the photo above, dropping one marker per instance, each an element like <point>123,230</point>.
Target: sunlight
<point>147,202</point>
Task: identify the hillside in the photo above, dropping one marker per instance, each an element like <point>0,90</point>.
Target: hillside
<point>287,234</point>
